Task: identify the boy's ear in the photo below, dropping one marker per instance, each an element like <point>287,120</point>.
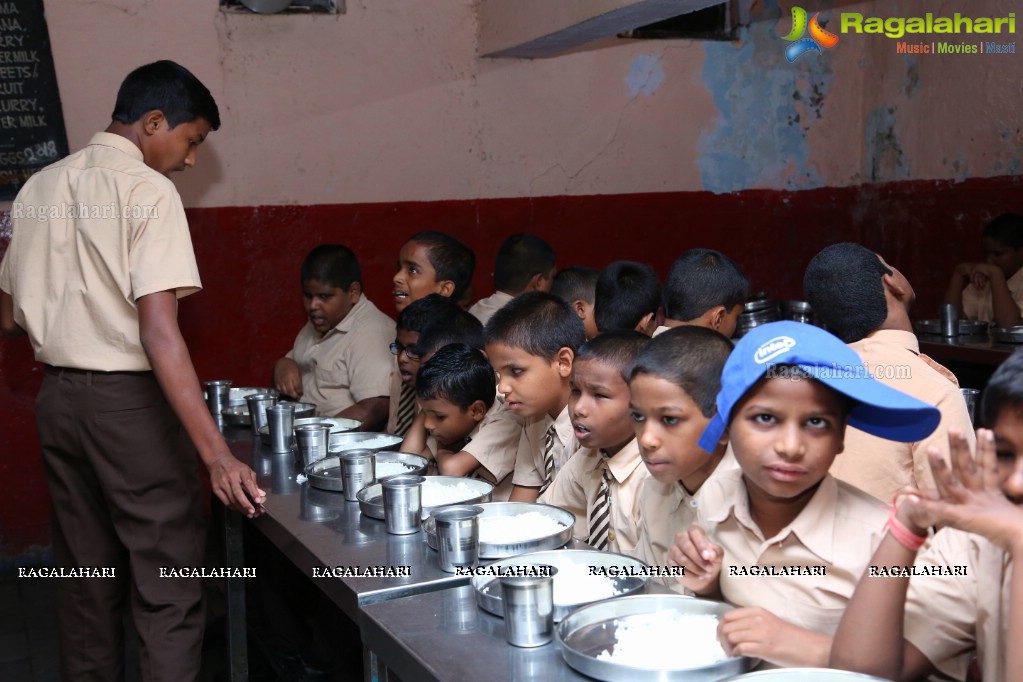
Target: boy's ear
<point>355,291</point>
<point>579,306</point>
<point>646,325</point>
<point>563,360</point>
<point>152,120</point>
<point>892,287</point>
<point>715,316</point>
<point>478,410</point>
<point>446,288</point>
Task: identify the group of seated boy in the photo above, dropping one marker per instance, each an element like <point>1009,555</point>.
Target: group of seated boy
<point>625,402</point>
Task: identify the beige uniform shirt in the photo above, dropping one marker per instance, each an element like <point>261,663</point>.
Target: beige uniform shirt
<point>948,616</point>
<point>494,443</point>
<point>349,363</point>
<point>882,467</point>
<point>576,486</point>
<point>529,469</point>
<point>977,303</point>
<point>485,308</point>
<point>666,509</point>
<point>93,233</point>
<point>831,541</point>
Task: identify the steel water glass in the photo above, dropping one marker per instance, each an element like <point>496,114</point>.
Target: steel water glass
<point>529,607</point>
<point>403,504</point>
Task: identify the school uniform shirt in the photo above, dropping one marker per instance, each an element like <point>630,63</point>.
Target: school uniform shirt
<point>666,509</point>
<point>529,466</point>
<point>826,550</point>
<point>350,363</point>
<point>883,467</point>
<point>977,303</point>
<point>91,263</point>
<point>485,308</point>
<point>948,616</point>
<point>493,443</point>
<point>577,484</point>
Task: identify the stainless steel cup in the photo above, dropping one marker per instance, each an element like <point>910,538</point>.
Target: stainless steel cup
<point>281,422</point>
<point>529,608</point>
<point>949,319</point>
<point>458,536</point>
<point>258,402</point>
<point>403,504</point>
<point>312,440</point>
<point>357,467</point>
<point>972,397</point>
<point>217,395</point>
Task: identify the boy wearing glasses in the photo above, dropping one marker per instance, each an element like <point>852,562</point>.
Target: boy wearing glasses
<point>340,361</point>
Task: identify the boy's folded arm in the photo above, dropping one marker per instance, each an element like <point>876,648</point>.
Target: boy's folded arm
<point>459,463</point>
<point>415,437</point>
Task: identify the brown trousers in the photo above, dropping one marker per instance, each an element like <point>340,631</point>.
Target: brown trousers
<point>122,479</point>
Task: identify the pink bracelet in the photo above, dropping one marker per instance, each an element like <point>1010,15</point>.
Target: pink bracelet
<point>904,536</point>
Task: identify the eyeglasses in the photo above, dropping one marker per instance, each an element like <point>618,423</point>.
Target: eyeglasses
<point>410,351</point>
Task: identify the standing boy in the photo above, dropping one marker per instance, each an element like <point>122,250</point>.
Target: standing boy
<point>98,300</point>
<point>340,361</point>
<point>531,342</point>
<point>601,481</point>
<point>524,263</point>
<point>865,302</point>
<point>787,392</point>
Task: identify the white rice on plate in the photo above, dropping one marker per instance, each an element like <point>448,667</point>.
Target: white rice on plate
<point>666,640</point>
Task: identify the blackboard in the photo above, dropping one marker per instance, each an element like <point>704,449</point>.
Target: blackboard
<point>32,131</point>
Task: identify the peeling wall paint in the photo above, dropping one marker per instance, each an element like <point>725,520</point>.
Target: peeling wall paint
<point>885,159</point>
<point>645,76</point>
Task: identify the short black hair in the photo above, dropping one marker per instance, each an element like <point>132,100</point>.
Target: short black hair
<point>615,349</point>
<point>520,258</point>
<point>701,279</point>
<point>1006,229</point>
<point>690,357</point>
<point>575,283</point>
<point>451,259</point>
<point>626,292</point>
<point>459,374</point>
<point>1003,390</point>
<point>168,87</point>
<point>459,327</point>
<point>332,264</point>
<point>843,286</point>
<point>538,323</point>
<point>420,312</point>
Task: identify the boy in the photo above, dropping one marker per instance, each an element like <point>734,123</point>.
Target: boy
<point>628,298</point>
<point>673,384</point>
<point>705,288</point>
<point>887,632</point>
<point>577,285</point>
<point>432,263</point>
<point>455,388</point>
<point>119,384</point>
<point>339,361</point>
<point>992,291</point>
<point>524,263</point>
<point>411,322</point>
<point>531,343</point>
<point>787,392</point>
<point>865,302</point>
<point>600,483</point>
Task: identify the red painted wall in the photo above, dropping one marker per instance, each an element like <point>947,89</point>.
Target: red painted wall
<point>250,309</point>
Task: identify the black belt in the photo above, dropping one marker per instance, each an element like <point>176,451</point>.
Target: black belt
<point>51,369</point>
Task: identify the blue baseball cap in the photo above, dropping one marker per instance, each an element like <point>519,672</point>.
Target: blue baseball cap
<point>879,409</point>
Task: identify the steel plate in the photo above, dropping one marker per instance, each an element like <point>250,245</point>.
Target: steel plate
<point>371,498</point>
<point>966,327</point>
<point>590,630</point>
<point>1007,334</point>
<point>501,550</point>
<point>357,441</point>
<point>807,675</point>
<point>325,474</point>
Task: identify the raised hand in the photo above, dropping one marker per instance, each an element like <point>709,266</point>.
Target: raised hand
<point>701,558</point>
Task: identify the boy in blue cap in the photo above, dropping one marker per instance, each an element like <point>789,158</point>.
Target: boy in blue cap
<point>785,541</point>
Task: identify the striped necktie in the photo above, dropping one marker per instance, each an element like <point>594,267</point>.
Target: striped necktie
<point>548,458</point>
<point>406,410</point>
<point>600,515</point>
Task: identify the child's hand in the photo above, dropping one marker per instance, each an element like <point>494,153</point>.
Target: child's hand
<point>983,273</point>
<point>701,559</point>
<point>758,633</point>
<point>288,378</point>
<point>970,496</point>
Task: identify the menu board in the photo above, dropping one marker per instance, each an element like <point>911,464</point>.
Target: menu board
<point>32,131</point>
